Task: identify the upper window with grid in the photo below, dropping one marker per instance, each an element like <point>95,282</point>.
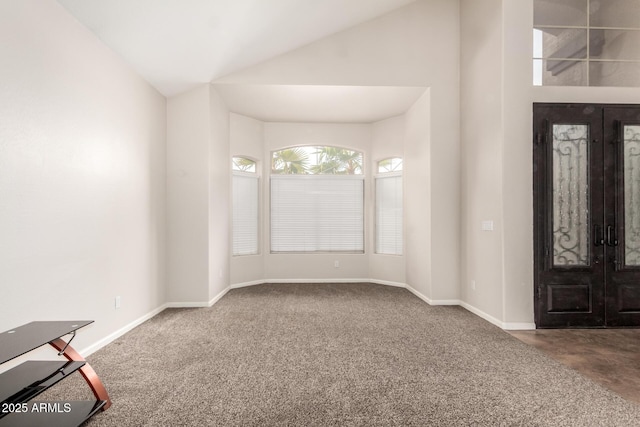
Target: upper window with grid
<point>586,43</point>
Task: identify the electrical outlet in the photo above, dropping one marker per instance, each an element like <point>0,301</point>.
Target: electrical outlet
<point>118,302</point>
<point>336,264</point>
<point>473,285</point>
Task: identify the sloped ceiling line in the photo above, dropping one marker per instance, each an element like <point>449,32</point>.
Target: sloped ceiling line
<point>178,44</point>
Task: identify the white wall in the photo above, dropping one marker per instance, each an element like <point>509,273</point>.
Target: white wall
<point>387,140</point>
<point>417,45</point>
<point>219,196</point>
<point>198,191</point>
<point>285,267</point>
<point>418,201</point>
<point>519,95</point>
<point>482,146</point>
<point>497,155</point>
<point>246,140</point>
<point>82,149</point>
<point>188,140</point>
<point>409,46</point>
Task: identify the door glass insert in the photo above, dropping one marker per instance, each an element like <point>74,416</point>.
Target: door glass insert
<point>570,195</point>
<point>632,194</point>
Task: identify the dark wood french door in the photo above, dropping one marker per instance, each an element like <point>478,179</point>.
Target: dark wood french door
<point>586,215</point>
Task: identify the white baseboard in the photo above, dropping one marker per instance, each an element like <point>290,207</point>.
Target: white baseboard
<point>245,284</point>
<point>432,301</point>
<point>187,304</point>
<point>117,334</point>
<point>120,332</point>
<point>317,281</point>
<point>199,304</point>
<point>388,283</point>
<point>418,294</point>
<point>502,325</point>
<point>260,282</point>
<point>522,326</point>
<point>481,314</point>
<point>217,297</point>
<point>445,302</point>
<point>507,326</point>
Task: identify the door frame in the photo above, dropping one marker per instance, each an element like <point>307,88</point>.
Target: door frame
<point>554,286</point>
<point>604,312</point>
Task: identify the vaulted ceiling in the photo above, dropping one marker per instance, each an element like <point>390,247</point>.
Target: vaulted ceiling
<point>178,44</point>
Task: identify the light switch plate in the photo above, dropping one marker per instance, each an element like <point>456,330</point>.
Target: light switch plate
<point>487,225</point>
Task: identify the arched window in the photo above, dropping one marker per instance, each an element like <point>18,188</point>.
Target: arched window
<point>392,164</point>
<point>317,200</point>
<point>246,206</point>
<point>243,164</point>
<point>389,212</point>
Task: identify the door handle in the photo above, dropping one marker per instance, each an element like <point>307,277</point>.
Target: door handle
<point>598,238</point>
<point>611,238</point>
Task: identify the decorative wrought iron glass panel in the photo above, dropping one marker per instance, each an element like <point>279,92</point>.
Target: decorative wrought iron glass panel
<point>632,195</point>
<point>570,195</point>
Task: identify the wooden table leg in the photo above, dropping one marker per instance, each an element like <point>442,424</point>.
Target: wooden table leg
<point>90,376</point>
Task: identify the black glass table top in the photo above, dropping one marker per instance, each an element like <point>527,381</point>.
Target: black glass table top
<point>31,378</point>
<point>18,341</point>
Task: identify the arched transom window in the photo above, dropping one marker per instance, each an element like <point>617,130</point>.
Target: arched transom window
<point>316,160</point>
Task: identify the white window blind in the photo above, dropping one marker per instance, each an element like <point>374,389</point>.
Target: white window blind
<point>245,214</point>
<point>389,215</point>
<point>317,213</point>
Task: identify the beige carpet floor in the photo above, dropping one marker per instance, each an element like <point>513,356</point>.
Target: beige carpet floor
<point>336,355</point>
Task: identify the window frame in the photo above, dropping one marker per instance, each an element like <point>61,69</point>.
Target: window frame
<point>388,175</point>
<point>310,166</point>
<point>258,214</point>
<point>358,175</point>
<point>539,61</point>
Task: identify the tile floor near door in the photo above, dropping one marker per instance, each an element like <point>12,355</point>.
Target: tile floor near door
<point>610,357</point>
